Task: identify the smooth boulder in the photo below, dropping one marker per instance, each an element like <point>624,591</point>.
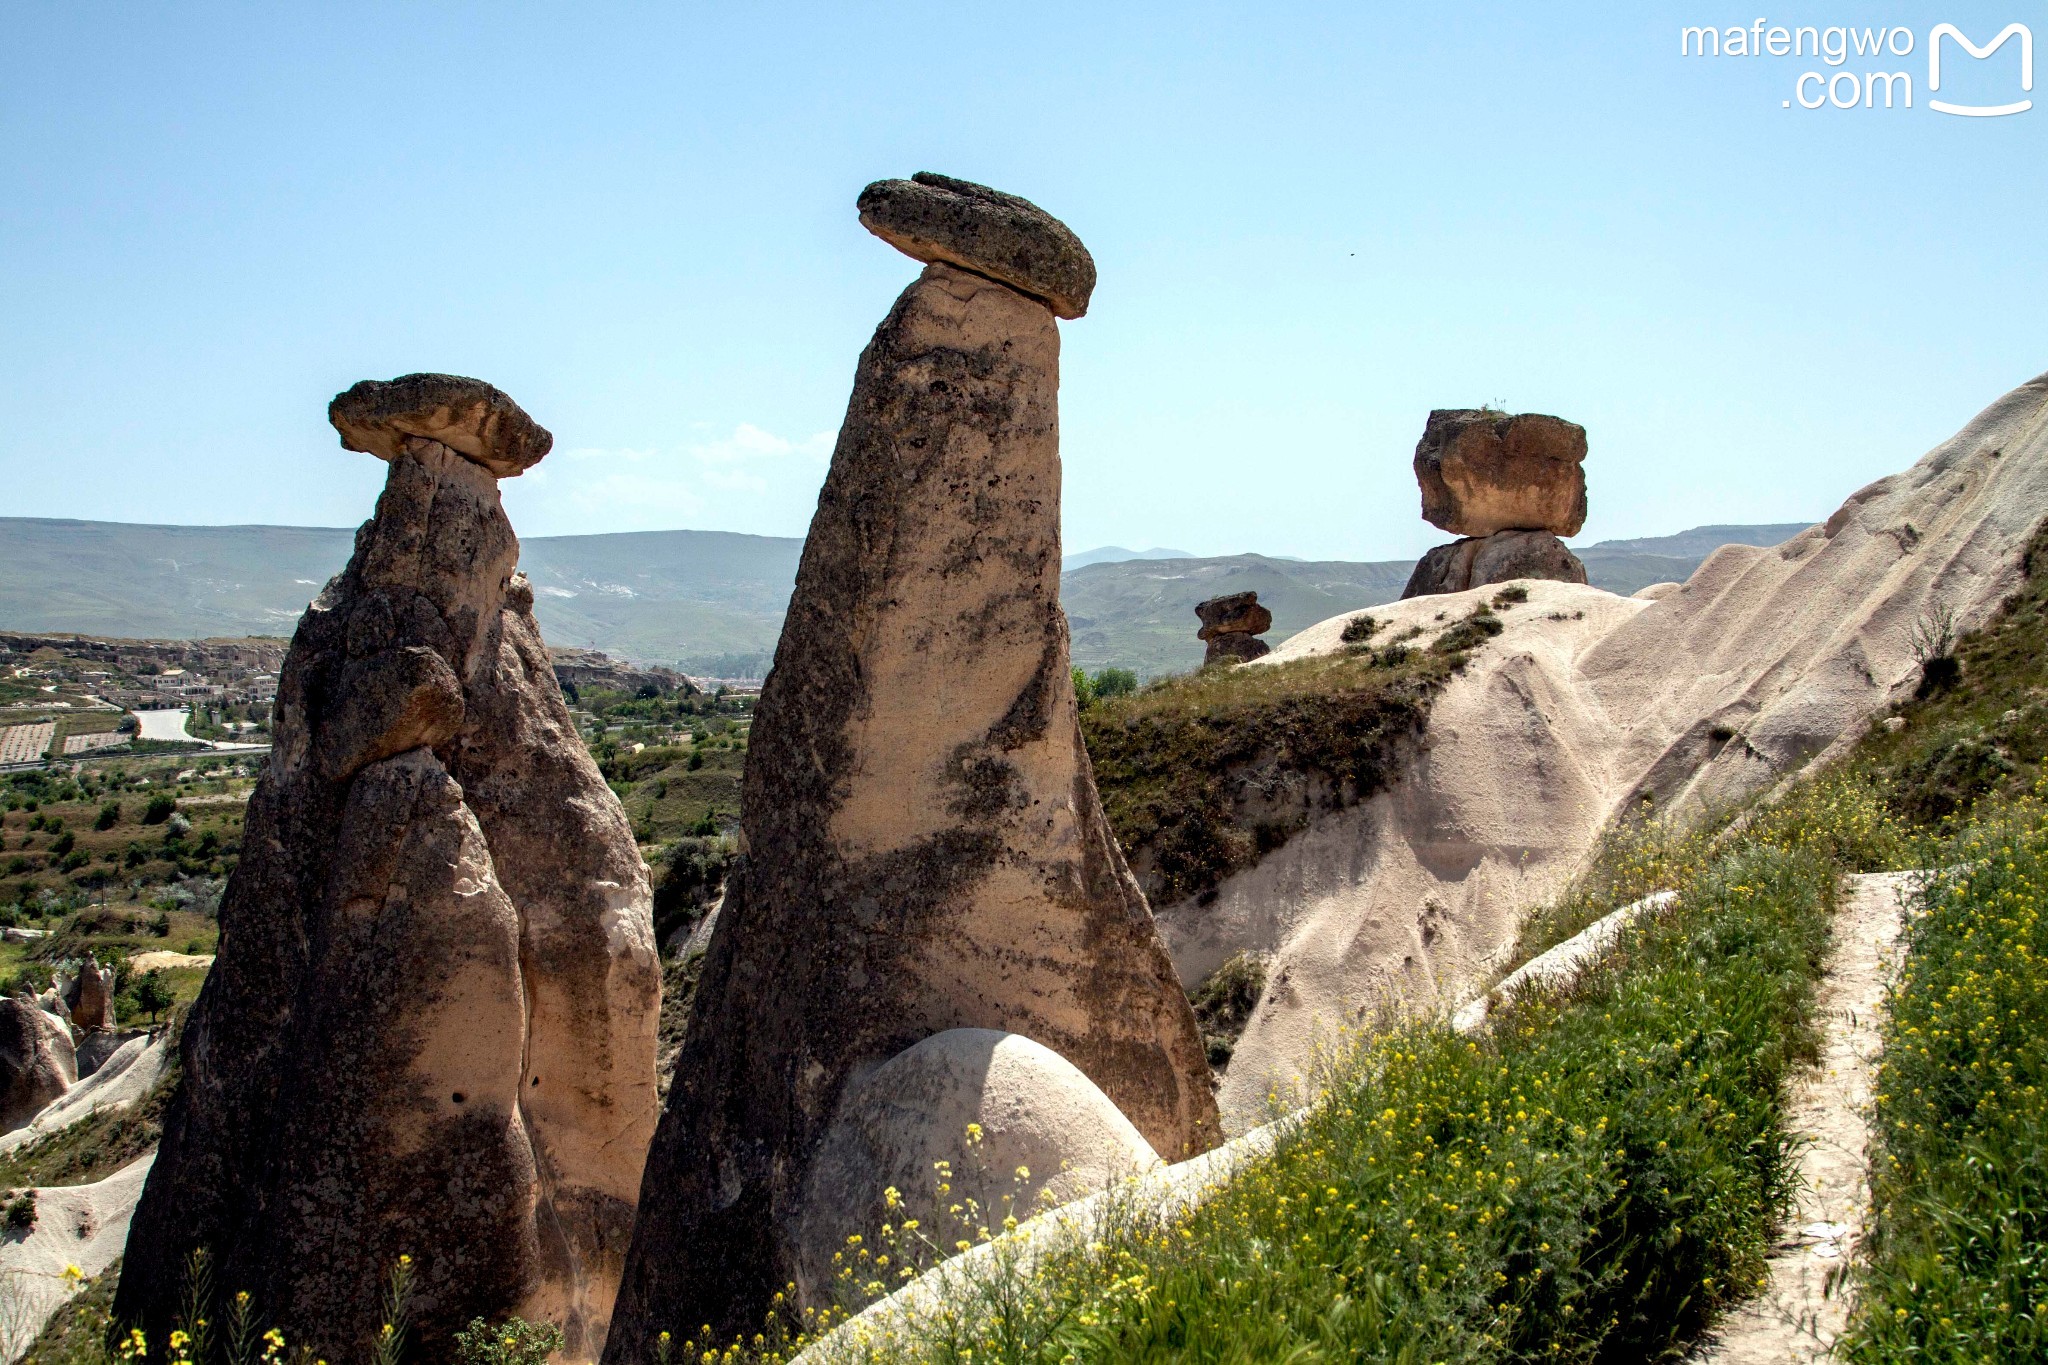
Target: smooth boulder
<point>1018,1127</point>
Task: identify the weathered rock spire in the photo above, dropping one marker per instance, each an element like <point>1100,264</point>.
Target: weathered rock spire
<point>430,1028</point>
<point>926,851</point>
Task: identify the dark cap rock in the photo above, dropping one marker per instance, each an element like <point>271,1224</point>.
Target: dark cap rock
<point>1238,613</point>
<point>937,218</point>
<point>472,418</point>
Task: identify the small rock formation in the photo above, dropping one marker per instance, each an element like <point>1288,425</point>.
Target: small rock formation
<point>90,996</point>
<point>37,1063</point>
<point>926,848</point>
<point>1504,555</point>
<point>1510,486</point>
<point>1231,625</point>
<point>1035,1113</point>
<point>430,1029</point>
<point>594,669</point>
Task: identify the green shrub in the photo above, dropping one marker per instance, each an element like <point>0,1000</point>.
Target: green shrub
<point>160,808</point>
<point>109,816</point>
<point>512,1342</point>
<point>20,1213</point>
<point>1224,1002</point>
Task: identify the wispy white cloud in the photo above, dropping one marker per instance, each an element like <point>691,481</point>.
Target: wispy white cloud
<point>749,478</point>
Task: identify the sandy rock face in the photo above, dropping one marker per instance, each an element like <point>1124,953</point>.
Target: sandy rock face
<point>1499,558</point>
<point>430,1027</point>
<point>926,850</point>
<point>1034,1113</point>
<point>37,1063</point>
<point>1483,472</point>
<point>940,219</point>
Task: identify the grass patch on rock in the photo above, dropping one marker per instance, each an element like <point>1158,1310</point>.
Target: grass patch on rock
<point>1979,725</point>
<point>1203,774</point>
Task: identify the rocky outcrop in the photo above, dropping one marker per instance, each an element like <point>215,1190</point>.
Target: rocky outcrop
<point>467,416</point>
<point>1510,485</point>
<point>1498,558</point>
<point>1484,471</point>
<point>926,850</point>
<point>90,997</point>
<point>1231,625</point>
<point>430,1027</point>
<point>37,1063</point>
<point>594,670</point>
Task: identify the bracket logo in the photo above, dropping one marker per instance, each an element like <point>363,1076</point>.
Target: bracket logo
<point>2020,31</point>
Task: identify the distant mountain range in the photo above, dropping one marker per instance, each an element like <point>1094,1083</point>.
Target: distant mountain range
<point>709,602</point>
<point>1117,554</point>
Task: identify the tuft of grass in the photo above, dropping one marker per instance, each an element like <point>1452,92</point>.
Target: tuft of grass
<point>1224,1002</point>
<point>1202,775</point>
<point>1978,727</point>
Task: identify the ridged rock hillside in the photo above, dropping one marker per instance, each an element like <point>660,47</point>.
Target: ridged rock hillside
<point>430,1028</point>
<point>925,848</point>
<point>1684,698</point>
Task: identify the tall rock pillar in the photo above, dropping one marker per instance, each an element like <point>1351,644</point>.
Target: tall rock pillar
<point>925,848</point>
<point>430,1028</point>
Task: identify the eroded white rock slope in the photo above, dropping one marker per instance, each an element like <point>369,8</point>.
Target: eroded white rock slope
<point>1699,695</point>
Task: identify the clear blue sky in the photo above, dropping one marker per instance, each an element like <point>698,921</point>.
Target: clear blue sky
<point>1312,223</point>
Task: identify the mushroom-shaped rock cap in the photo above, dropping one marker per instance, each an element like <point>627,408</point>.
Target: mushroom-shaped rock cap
<point>937,218</point>
<point>1237,613</point>
<point>470,417</point>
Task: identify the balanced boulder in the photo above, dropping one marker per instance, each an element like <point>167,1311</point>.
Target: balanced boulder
<point>1483,471</point>
<point>37,1063</point>
<point>468,416</point>
<point>430,1028</point>
<point>1231,626</point>
<point>925,847</point>
<point>1510,485</point>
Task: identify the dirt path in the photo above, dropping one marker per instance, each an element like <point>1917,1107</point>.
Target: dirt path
<point>1803,1307</point>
